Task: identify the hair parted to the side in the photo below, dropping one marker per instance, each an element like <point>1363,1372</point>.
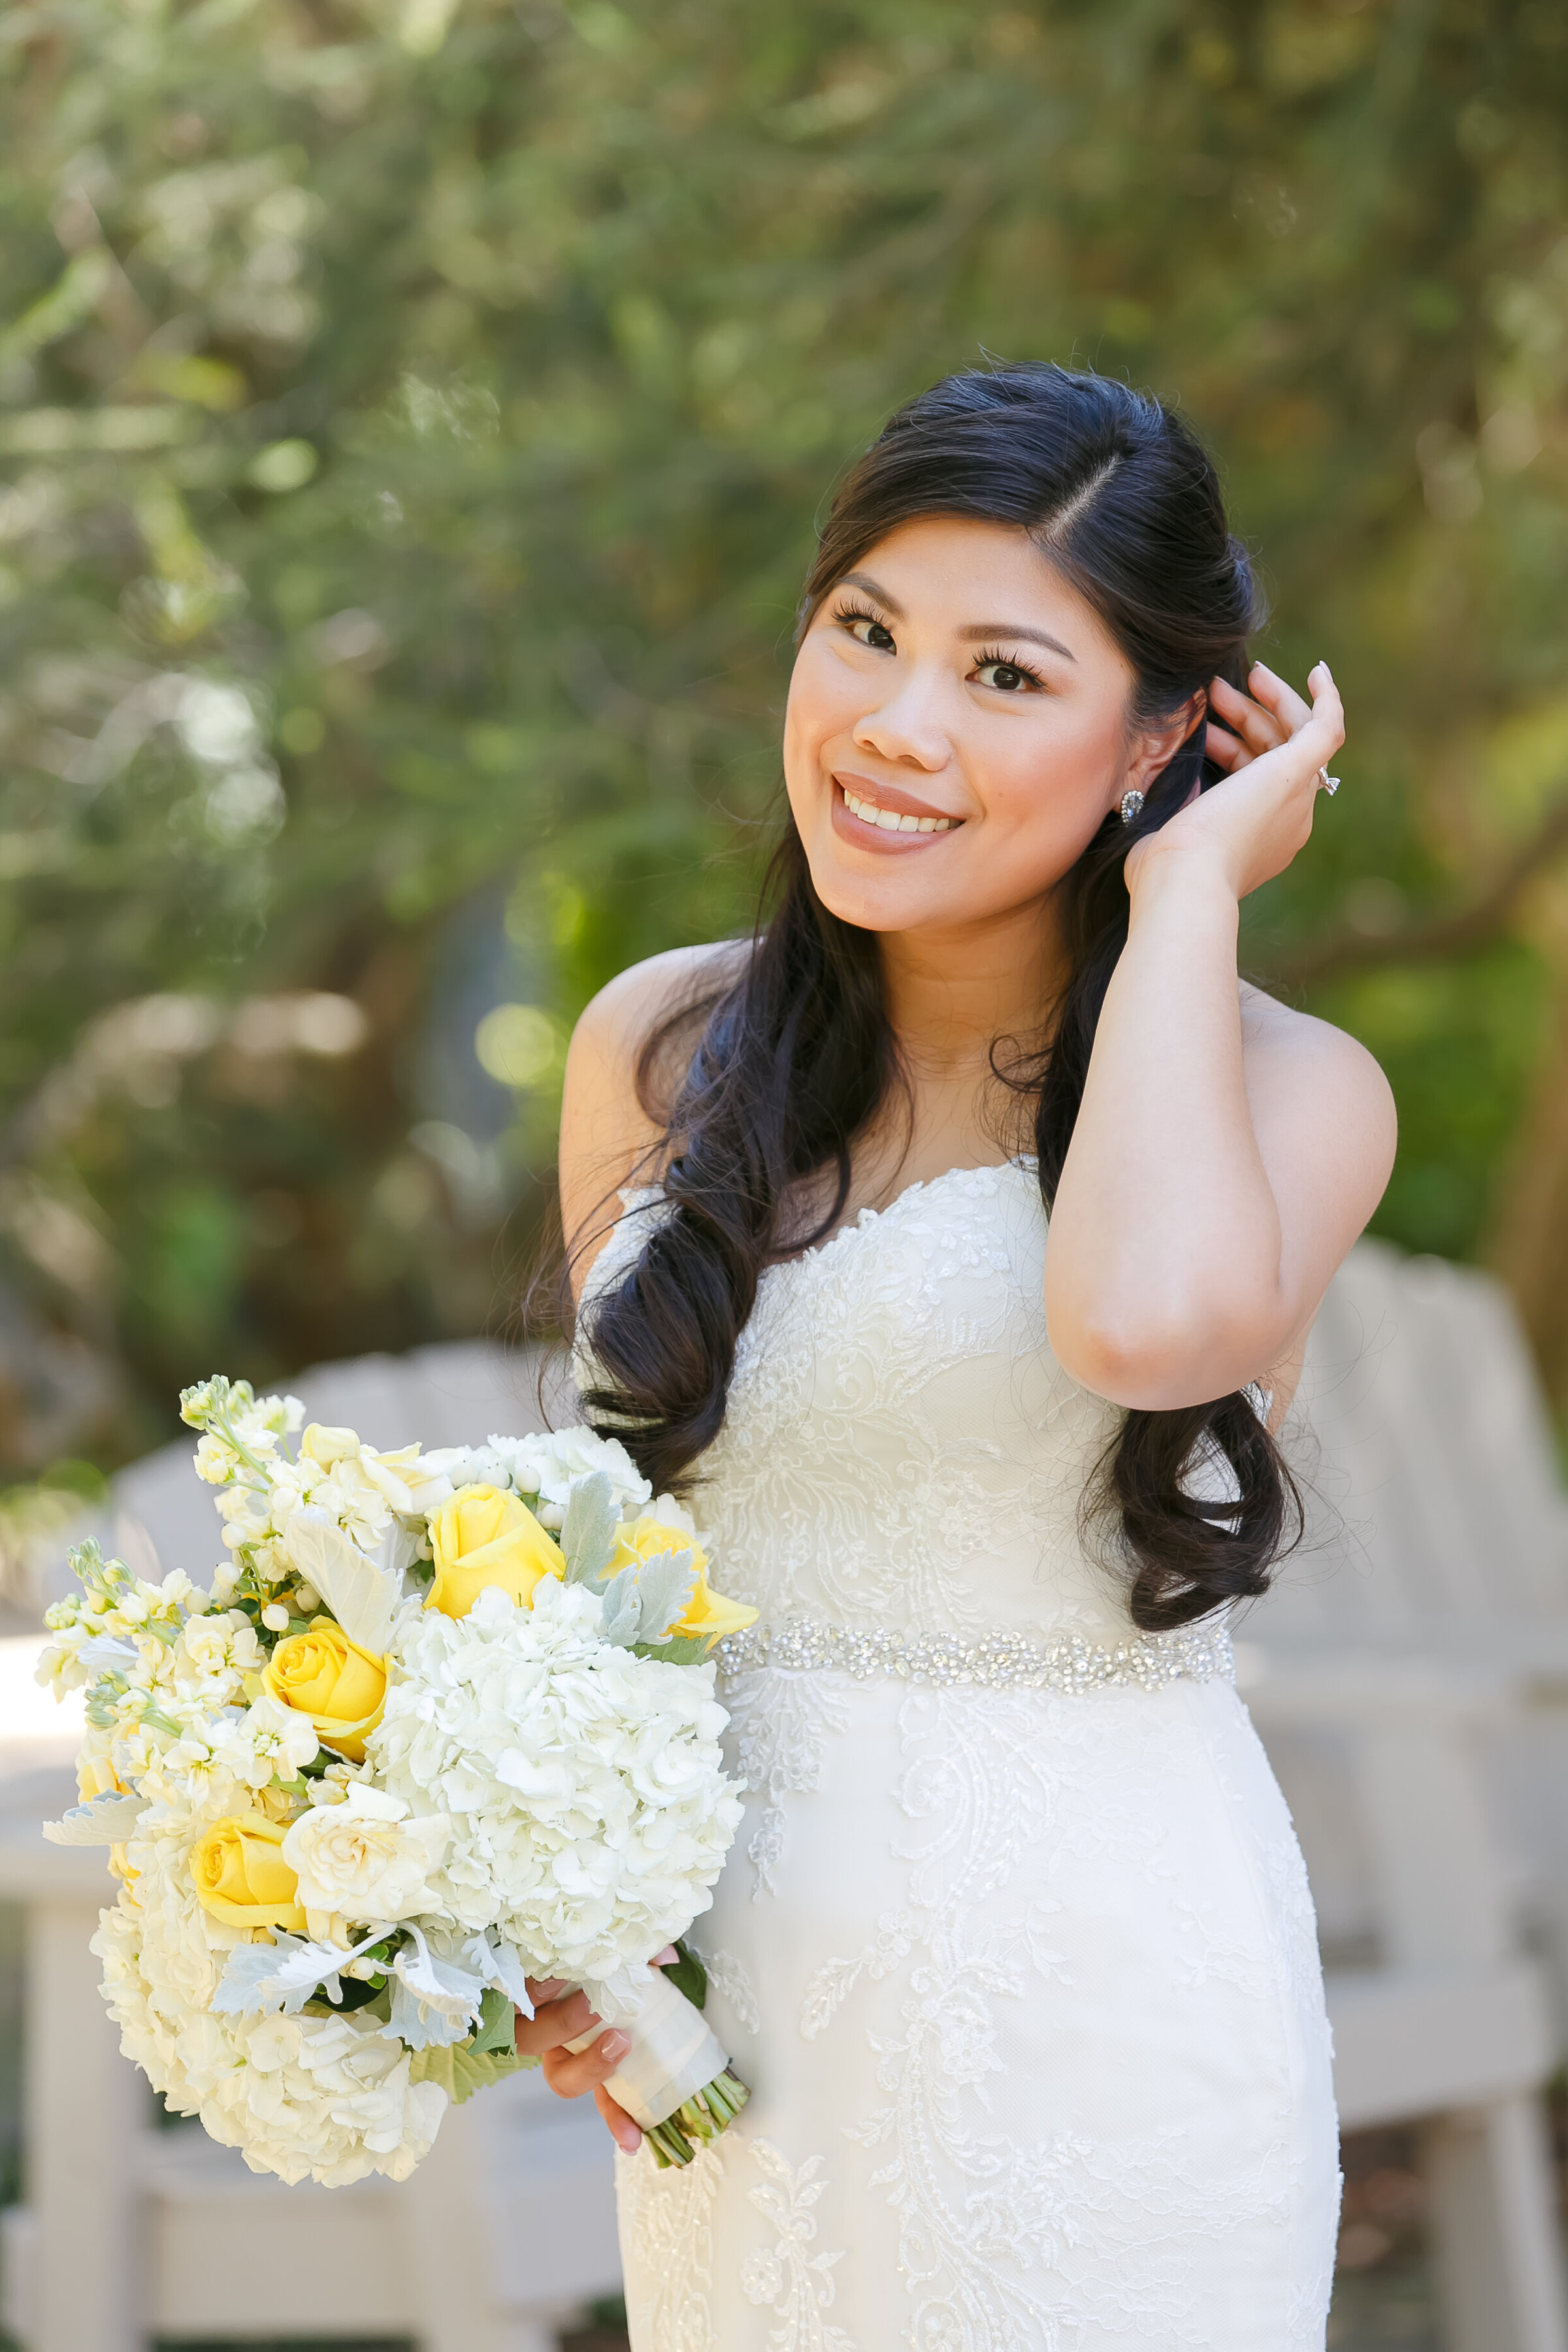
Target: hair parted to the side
<point>792,1059</point>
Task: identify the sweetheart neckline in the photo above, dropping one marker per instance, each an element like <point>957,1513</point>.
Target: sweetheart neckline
<point>1022,1163</point>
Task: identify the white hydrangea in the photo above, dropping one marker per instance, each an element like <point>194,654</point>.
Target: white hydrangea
<point>590,1810</point>
<point>545,1464</point>
<point>319,2098</point>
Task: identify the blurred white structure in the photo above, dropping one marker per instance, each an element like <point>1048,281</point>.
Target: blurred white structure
<point>1410,1678</point>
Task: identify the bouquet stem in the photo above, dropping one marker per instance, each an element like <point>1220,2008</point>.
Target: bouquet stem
<point>675,2082</point>
<point>698,2121</point>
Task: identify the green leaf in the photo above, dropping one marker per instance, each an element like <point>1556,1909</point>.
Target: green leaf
<point>461,2070</point>
<point>688,1976</point>
<point>498,2023</point>
<point>681,1650</point>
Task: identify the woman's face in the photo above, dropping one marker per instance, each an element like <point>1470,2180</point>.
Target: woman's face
<point>957,728</point>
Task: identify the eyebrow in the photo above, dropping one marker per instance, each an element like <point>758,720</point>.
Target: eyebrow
<point>981,631</point>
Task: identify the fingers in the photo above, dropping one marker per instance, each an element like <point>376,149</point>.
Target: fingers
<point>1258,728</point>
<point>1223,749</point>
<point>1281,703</point>
<point>1277,717</point>
<point>1323,730</point>
<point>623,2132</point>
<point>570,2073</point>
<point>552,2022</point>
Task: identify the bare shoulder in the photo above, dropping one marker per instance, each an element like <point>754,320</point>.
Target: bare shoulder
<point>1304,1074</point>
<point>1273,1033</point>
<point>609,1137</point>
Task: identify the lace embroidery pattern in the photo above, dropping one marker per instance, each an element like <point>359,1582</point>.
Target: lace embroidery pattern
<point>667,2223</point>
<point>786,2278</point>
<point>729,1979</point>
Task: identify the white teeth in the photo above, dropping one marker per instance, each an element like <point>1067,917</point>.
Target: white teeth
<point>889,821</point>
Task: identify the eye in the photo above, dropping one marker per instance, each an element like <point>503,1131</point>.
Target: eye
<point>866,629</point>
<point>1007,676</point>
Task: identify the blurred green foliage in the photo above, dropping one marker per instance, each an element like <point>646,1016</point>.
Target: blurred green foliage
<point>413,414</point>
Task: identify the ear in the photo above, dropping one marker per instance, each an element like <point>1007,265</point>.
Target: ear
<point>1155,746</point>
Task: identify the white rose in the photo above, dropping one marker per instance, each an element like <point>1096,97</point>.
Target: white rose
<point>366,1858</point>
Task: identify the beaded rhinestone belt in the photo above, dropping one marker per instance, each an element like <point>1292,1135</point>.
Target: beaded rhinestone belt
<point>997,1662</point>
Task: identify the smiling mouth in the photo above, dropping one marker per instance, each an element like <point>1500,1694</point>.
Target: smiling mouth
<point>885,820</point>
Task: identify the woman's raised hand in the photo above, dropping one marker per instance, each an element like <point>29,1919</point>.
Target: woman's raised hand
<point>1274,749</point>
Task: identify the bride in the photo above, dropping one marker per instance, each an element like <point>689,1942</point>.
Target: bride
<point>1014,1947</point>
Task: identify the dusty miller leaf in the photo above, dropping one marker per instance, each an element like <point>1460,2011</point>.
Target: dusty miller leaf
<point>588,1532</point>
<point>665,1582</point>
<point>623,1609</point>
<point>102,1820</point>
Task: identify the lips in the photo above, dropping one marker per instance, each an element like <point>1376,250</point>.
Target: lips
<point>882,810</point>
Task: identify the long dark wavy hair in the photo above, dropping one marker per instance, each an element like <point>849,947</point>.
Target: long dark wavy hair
<point>792,1060</point>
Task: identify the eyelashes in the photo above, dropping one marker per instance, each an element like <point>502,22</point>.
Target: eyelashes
<point>851,616</point>
<point>847,615</point>
<point>993,658</point>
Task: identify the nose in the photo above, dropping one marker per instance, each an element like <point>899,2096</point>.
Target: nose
<point>908,727</point>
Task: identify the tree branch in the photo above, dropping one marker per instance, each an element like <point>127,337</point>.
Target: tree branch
<point>1451,932</point>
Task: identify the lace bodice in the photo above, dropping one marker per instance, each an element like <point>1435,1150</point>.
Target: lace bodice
<point>901,1450</point>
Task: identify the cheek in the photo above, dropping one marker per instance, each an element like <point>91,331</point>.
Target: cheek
<point>822,703</point>
<point>1045,788</point>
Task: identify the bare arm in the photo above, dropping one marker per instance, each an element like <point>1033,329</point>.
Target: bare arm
<point>608,1140</point>
<point>1229,1151</point>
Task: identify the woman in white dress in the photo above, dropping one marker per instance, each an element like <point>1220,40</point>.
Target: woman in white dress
<point>1014,1947</point>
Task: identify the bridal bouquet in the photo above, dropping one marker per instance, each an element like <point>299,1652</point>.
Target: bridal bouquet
<point>443,1722</point>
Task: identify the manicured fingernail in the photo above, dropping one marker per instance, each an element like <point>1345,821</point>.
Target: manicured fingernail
<point>1328,673</point>
<point>664,1959</point>
<point>628,2136</point>
<point>615,2046</point>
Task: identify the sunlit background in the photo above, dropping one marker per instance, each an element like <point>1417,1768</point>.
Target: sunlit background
<point>413,417</point>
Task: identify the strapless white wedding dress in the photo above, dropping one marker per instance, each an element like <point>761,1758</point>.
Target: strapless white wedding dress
<point>1014,1946</point>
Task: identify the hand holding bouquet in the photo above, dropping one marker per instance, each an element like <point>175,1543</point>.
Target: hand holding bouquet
<point>443,1724</point>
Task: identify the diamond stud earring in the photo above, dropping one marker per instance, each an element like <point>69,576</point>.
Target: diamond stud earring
<point>1131,806</point>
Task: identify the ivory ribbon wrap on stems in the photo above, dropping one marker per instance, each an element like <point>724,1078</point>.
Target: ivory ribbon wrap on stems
<point>674,2054</point>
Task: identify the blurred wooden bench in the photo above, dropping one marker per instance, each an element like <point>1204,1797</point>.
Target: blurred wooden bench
<point>1408,1677</point>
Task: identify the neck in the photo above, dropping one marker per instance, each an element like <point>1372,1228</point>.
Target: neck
<point>950,993</point>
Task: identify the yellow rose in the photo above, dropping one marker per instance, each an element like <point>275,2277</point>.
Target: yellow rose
<point>707,1615</point>
<point>241,1877</point>
<point>326,1677</point>
<point>483,1538</point>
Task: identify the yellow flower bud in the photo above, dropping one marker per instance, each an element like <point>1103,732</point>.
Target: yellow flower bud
<point>241,1876</point>
<point>340,1687</point>
<point>483,1538</point>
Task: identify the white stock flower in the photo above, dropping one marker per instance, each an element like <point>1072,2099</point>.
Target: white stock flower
<point>268,1738</point>
<point>366,1858</point>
